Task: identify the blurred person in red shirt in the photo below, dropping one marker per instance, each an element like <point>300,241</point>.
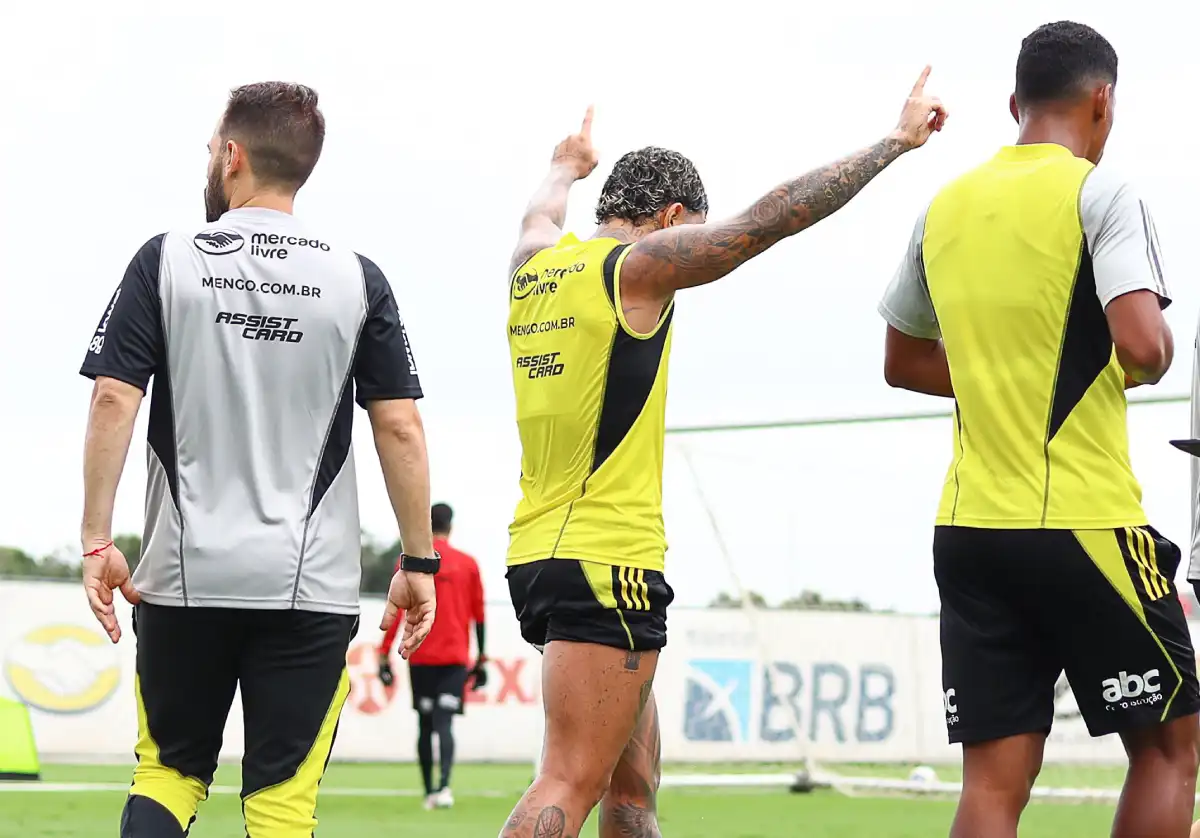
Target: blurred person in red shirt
<point>440,669</point>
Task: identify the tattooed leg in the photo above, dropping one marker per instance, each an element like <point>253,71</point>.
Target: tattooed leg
<point>628,809</point>
<point>594,696</point>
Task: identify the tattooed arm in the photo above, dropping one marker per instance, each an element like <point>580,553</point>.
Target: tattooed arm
<point>689,255</point>
<point>697,254</point>
<point>541,226</point>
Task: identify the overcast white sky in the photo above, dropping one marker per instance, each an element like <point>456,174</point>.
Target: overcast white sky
<point>441,117</point>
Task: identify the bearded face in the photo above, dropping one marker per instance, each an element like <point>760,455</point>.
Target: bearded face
<point>216,200</point>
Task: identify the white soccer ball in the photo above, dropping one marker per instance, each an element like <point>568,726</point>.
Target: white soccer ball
<point>923,774</point>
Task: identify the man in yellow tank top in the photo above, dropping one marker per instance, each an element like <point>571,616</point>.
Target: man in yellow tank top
<point>589,331</point>
<point>1032,293</point>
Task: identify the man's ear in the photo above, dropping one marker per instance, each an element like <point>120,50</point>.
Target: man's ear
<point>1012,108</point>
<point>673,215</point>
<point>235,157</point>
<point>1102,103</point>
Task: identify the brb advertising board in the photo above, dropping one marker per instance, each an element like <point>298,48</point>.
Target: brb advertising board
<point>731,686</point>
<point>779,685</point>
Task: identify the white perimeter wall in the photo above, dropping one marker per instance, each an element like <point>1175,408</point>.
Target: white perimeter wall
<point>864,688</point>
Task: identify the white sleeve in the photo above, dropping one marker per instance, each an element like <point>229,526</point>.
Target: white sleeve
<point>1121,239</point>
<point>906,304</point>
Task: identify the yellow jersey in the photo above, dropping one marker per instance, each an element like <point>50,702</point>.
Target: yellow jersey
<point>591,398</point>
<point>1012,266</point>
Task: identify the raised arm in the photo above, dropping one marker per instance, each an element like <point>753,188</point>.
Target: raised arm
<point>688,255</point>
<point>541,226</point>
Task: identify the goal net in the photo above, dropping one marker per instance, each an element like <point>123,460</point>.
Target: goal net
<point>817,663</point>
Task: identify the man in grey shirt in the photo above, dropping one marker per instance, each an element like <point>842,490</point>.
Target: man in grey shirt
<point>260,335</point>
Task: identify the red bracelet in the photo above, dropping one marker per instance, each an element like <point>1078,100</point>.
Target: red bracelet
<point>98,551</point>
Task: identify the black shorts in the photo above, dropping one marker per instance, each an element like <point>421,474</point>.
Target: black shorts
<point>438,687</point>
<point>588,602</point>
<point>1021,606</point>
<point>291,669</point>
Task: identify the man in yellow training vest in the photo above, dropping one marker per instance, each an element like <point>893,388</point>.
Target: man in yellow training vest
<point>1032,293</point>
<point>589,330</point>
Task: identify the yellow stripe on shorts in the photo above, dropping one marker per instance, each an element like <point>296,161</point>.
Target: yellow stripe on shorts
<point>1144,552</point>
<point>626,599</point>
<point>1133,541</point>
<point>634,589</point>
<point>1164,584</point>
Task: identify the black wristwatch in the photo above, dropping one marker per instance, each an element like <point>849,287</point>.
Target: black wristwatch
<point>418,564</point>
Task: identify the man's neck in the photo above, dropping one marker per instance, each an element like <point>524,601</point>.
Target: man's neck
<point>441,536</point>
<point>265,200</point>
<point>623,231</point>
<point>1053,130</point>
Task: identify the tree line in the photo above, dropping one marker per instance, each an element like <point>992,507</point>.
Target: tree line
<point>378,565</point>
<point>804,601</point>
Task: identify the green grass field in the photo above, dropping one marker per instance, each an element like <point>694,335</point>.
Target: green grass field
<point>370,800</point>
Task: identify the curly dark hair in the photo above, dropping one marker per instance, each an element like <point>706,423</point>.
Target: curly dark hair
<point>648,180</point>
<point>1058,59</point>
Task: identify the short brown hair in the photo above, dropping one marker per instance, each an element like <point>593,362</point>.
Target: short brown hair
<point>281,128</point>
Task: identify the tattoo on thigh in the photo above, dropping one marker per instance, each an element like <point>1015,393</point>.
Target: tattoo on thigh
<point>633,660</point>
<point>551,823</point>
<point>645,696</point>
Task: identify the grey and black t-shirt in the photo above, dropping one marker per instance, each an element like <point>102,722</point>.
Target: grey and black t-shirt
<point>1118,232</point>
<point>259,335</point>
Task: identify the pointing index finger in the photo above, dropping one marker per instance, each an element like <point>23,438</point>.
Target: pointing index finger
<point>587,122</point>
<point>919,87</point>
